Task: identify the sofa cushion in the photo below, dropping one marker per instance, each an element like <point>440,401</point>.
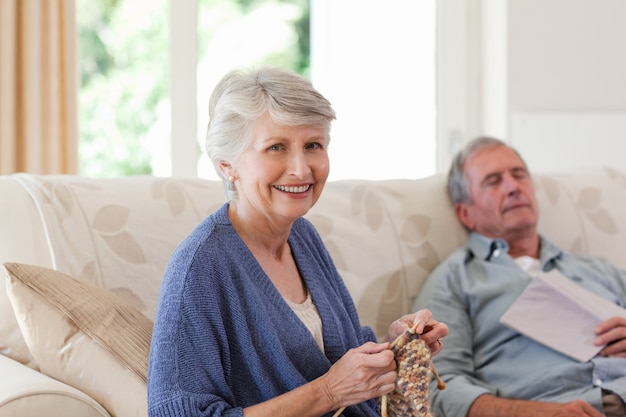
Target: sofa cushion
<point>83,335</point>
<point>583,212</point>
<point>385,237</point>
<point>117,233</point>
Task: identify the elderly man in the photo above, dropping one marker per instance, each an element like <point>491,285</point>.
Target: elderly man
<point>490,369</point>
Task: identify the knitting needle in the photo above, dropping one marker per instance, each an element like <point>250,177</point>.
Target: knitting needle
<point>440,384</point>
<point>406,336</point>
<point>338,413</point>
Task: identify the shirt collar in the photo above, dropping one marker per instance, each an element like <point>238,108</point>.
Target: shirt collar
<point>489,249</point>
<point>486,248</point>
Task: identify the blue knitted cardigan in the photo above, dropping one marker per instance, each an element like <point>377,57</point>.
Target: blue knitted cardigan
<point>224,338</point>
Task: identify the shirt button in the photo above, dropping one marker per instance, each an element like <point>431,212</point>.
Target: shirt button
<point>496,253</point>
<point>597,382</point>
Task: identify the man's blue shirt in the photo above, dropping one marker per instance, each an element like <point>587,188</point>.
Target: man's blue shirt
<point>471,290</point>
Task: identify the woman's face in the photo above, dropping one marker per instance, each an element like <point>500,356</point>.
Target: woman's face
<point>282,173</point>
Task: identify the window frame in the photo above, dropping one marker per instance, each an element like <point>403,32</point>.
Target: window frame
<point>457,73</point>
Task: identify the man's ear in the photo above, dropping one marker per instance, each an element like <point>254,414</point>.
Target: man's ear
<point>462,211</point>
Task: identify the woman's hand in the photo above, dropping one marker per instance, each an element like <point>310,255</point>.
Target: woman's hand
<point>365,372</point>
<point>430,330</point>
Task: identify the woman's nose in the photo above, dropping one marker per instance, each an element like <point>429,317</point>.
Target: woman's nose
<point>299,165</point>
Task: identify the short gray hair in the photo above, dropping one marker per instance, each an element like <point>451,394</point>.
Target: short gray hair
<point>458,183</point>
<point>243,96</point>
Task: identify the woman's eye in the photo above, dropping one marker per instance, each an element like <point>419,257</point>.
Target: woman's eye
<point>314,145</point>
<point>275,148</point>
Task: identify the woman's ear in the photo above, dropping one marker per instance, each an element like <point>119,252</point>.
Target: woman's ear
<point>226,169</point>
<point>463,212</point>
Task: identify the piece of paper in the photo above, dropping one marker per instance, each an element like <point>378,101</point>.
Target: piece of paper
<point>557,312</point>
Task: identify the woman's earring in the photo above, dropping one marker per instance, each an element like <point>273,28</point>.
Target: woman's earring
<point>231,183</point>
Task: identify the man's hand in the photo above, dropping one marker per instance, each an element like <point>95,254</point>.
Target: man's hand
<point>490,406</point>
<point>612,333</point>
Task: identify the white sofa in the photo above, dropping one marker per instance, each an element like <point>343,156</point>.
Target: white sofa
<point>385,237</point>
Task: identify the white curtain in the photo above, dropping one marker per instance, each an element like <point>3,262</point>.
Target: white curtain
<point>38,87</point>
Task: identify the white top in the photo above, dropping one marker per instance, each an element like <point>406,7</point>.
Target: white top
<point>307,312</point>
<point>529,264</point>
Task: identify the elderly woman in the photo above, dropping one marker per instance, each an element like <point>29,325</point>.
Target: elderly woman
<point>253,316</point>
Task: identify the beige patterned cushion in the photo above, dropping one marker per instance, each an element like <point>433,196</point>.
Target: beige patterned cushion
<point>117,233</point>
<point>385,238</point>
<point>584,212</point>
<point>84,336</point>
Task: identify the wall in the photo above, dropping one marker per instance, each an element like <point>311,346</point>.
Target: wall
<point>375,62</point>
<point>557,84</point>
<point>566,55</point>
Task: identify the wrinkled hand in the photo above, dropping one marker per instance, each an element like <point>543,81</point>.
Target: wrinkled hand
<point>574,409</point>
<point>365,372</point>
<point>612,333</point>
<point>488,405</point>
<point>430,330</point>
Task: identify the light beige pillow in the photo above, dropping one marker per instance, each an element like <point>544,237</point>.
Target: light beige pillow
<point>83,335</point>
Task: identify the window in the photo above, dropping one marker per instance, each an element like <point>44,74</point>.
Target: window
<point>123,99</point>
<point>230,36</point>
<point>375,61</point>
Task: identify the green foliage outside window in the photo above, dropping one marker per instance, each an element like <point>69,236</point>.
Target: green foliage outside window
<point>124,68</point>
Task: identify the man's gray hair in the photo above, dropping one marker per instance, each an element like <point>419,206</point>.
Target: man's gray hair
<point>458,183</point>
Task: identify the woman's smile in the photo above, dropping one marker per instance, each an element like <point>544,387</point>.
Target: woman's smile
<point>295,189</point>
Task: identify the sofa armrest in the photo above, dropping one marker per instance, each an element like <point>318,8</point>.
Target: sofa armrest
<point>23,239</point>
<point>26,392</point>
<point>22,223</point>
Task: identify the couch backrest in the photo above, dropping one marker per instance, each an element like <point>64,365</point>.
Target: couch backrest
<point>585,212</point>
<point>385,236</point>
<point>116,232</point>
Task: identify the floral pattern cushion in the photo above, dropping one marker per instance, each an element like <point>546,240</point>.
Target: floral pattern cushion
<point>385,236</point>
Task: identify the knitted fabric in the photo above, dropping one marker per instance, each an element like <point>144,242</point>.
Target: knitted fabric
<point>410,398</point>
